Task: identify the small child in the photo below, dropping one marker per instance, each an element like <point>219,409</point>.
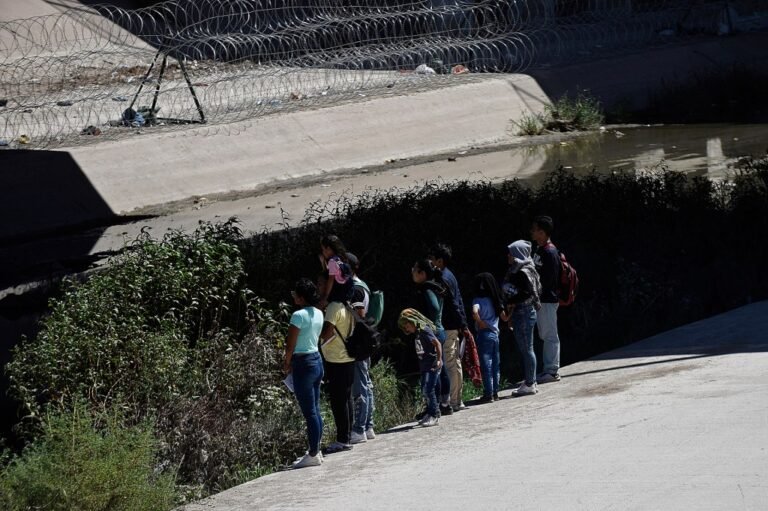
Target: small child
<point>487,308</point>
<point>338,286</point>
<point>430,355</point>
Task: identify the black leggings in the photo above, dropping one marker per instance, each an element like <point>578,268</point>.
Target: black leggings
<point>340,378</point>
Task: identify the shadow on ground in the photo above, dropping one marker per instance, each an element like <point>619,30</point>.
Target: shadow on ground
<point>52,219</point>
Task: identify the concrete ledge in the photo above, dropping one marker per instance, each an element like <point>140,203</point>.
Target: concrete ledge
<point>145,171</point>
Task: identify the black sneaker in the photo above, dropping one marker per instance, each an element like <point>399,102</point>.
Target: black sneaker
<point>485,399</point>
<point>446,410</point>
<point>459,407</point>
<point>495,396</point>
<point>336,447</point>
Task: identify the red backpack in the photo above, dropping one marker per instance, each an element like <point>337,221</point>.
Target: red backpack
<point>568,286</point>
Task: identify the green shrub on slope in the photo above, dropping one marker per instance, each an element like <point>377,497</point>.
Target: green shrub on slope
<point>89,464</point>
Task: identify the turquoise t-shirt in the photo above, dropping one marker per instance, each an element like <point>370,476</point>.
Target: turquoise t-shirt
<point>309,321</point>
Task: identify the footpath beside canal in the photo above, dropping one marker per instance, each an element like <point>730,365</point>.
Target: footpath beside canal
<point>676,421</point>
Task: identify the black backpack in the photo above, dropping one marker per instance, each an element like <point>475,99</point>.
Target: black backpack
<point>364,339</point>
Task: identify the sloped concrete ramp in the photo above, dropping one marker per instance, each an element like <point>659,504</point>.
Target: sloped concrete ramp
<point>678,421</point>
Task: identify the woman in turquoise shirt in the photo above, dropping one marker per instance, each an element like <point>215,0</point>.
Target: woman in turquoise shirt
<point>303,362</point>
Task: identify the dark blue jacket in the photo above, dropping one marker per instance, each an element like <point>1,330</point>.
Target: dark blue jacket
<point>547,261</point>
<point>454,316</point>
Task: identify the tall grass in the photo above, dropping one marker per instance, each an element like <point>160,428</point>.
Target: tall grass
<point>88,462</point>
<point>580,113</point>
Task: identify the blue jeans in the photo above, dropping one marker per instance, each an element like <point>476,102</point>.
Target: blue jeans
<point>443,387</point>
<point>362,394</point>
<point>547,325</point>
<point>429,381</point>
<point>523,320</point>
<point>307,372</point>
<point>488,346</point>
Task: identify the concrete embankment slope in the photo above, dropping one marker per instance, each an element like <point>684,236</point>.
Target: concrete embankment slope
<point>141,172</point>
<point>146,170</point>
<point>678,421</point>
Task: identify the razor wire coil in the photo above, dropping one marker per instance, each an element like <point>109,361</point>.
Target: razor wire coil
<point>70,78</point>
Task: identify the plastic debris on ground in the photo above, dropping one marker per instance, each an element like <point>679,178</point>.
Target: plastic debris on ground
<point>424,69</point>
<point>91,130</point>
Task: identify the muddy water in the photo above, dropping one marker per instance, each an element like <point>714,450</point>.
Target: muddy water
<point>697,149</point>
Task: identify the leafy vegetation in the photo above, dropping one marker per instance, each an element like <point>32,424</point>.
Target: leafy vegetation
<point>88,462</point>
<point>531,124</point>
<point>169,332</point>
<point>580,113</point>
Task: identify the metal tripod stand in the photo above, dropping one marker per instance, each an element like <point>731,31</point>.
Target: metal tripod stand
<point>152,119</point>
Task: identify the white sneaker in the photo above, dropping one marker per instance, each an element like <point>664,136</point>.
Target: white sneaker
<point>308,461</point>
<point>369,434</point>
<point>430,421</point>
<point>547,378</point>
<point>357,438</point>
<point>525,390</point>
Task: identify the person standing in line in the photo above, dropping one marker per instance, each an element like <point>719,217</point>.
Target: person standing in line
<point>362,386</point>
<point>303,362</point>
<point>333,257</point>
<point>428,349</point>
<point>340,370</point>
<point>487,308</point>
<point>546,258</point>
<point>454,321</point>
<point>430,300</point>
<point>522,290</point>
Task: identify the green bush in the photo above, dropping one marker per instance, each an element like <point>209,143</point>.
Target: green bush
<point>580,113</point>
<point>531,124</point>
<point>168,330</point>
<point>89,464</point>
<point>140,331</point>
<point>395,402</point>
